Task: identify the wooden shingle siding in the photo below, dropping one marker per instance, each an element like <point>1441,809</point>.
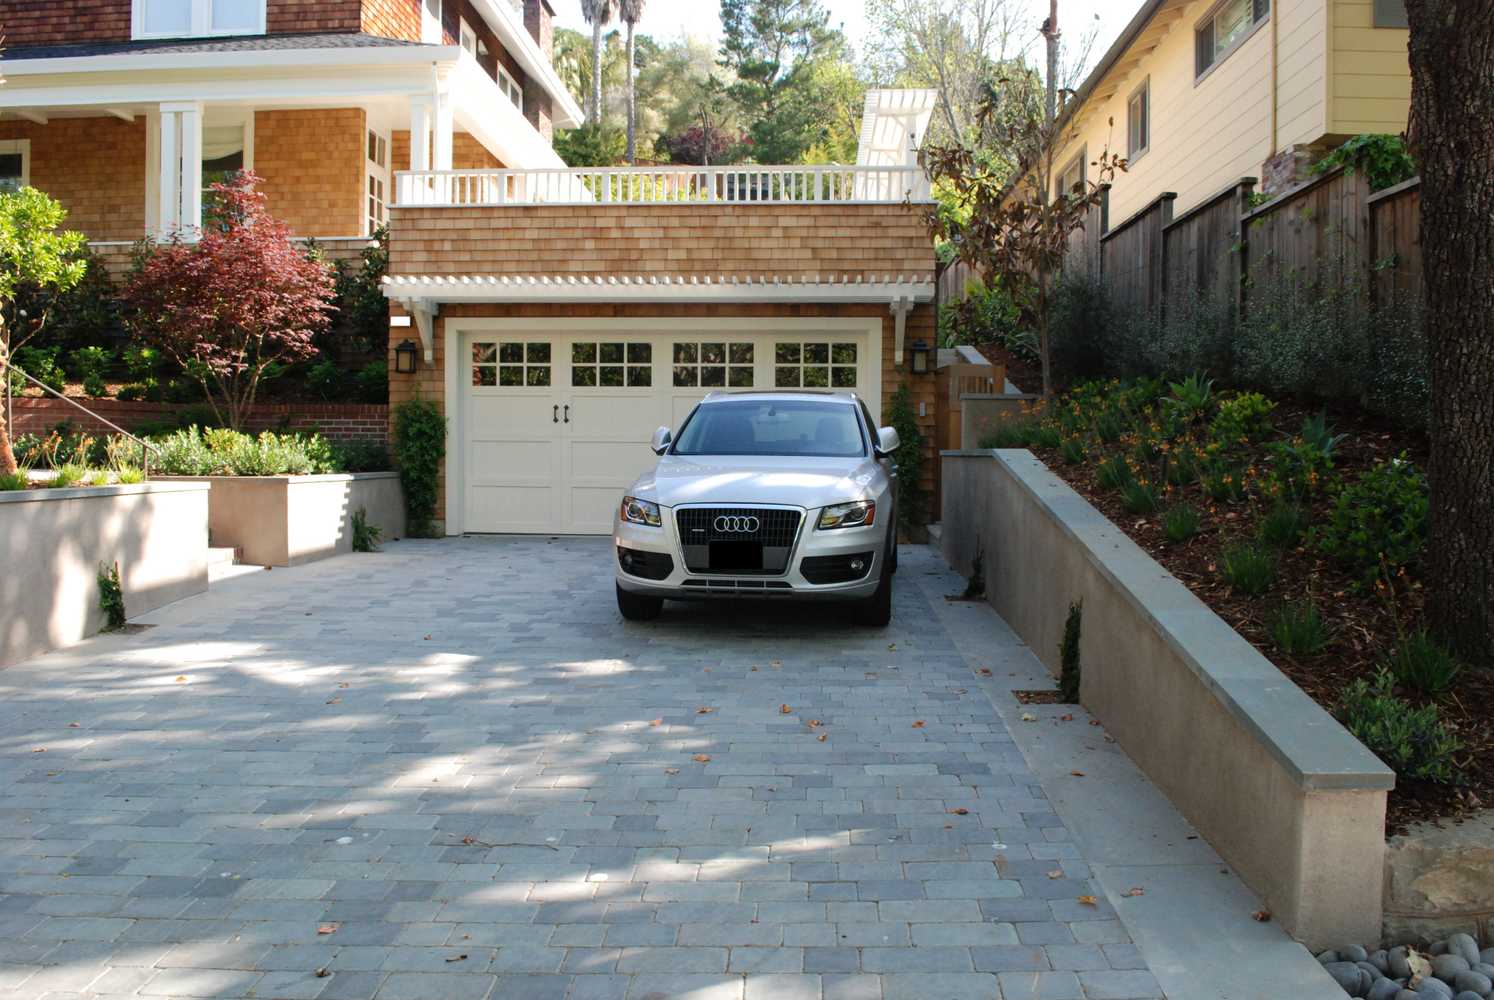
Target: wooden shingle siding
<point>300,16</point>
<point>95,167</point>
<point>312,165</point>
<point>786,240</point>
<point>62,22</point>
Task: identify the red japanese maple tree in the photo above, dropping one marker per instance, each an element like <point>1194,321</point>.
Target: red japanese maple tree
<point>237,300</point>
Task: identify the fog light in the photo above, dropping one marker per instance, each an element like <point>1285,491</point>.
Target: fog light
<point>627,561</point>
<point>857,565</point>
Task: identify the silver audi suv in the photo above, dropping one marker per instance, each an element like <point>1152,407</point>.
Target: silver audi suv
<point>764,494</point>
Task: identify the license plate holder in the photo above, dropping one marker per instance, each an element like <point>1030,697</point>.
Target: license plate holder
<point>737,556</point>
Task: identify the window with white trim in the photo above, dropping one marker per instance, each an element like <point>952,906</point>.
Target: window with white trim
<point>431,32</point>
<point>510,87</point>
<point>1071,177</point>
<point>1226,27</point>
<point>821,365</point>
<point>1139,120</point>
<point>224,155</point>
<point>15,164</point>
<point>607,364</point>
<point>468,39</point>
<point>510,364</point>
<point>378,182</point>
<point>194,18</point>
<point>713,365</point>
<point>1390,14</point>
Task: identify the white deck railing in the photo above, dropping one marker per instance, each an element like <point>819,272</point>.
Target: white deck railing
<point>662,185</point>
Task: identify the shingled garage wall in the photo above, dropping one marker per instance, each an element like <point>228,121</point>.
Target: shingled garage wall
<point>311,163</point>
<point>94,166</point>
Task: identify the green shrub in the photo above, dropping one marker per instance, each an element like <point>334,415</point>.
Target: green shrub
<point>12,481</point>
<point>420,446</point>
<point>1079,325</point>
<point>366,536</point>
<point>1248,567</point>
<point>149,390</point>
<point>1222,483</point>
<point>1046,435</point>
<point>361,456</point>
<point>89,366</point>
<point>1114,473</point>
<point>1297,629</point>
<point>325,379</point>
<point>1385,159</point>
<point>1011,432</point>
<point>373,382</point>
<point>1180,523</point>
<point>1298,468</point>
<point>1284,524</point>
<point>1181,467</point>
<point>1423,664</point>
<point>1242,418</point>
<point>986,315</point>
<point>1379,522</point>
<point>1139,497</point>
<point>223,452</point>
<point>1070,673</point>
<point>1192,399</point>
<point>143,363</point>
<point>41,364</point>
<point>1110,426</point>
<point>1411,741</point>
<point>1072,451</point>
<point>68,475</point>
<point>111,597</point>
<point>129,475</point>
<point>901,417</point>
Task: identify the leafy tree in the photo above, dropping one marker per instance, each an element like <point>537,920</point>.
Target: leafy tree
<point>235,306</point>
<point>1014,236</point>
<point>591,146</point>
<point>36,257</point>
<point>1452,133</point>
<point>771,47</point>
<point>701,145</point>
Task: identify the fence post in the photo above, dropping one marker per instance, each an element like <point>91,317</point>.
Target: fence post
<point>1165,211</point>
<point>1246,192</point>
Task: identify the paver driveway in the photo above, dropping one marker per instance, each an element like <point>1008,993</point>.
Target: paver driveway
<point>451,771</point>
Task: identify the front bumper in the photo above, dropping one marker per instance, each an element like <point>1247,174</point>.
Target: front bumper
<point>649,544</point>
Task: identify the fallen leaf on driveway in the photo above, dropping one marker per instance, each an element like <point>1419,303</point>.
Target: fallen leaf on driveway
<point>1055,873</point>
<point>1135,891</point>
<point>814,723</point>
<point>334,701</point>
<point>704,710</point>
<point>1094,722</point>
<point>919,724</point>
<point>1088,901</point>
<point>959,811</point>
<point>892,645</point>
<point>327,929</point>
<point>1077,774</point>
<point>656,722</point>
<point>985,671</point>
<point>1028,717</point>
<point>72,725</point>
<point>1066,718</point>
<point>469,840</point>
<point>1261,916</point>
<point>344,684</point>
<point>822,737</point>
<point>701,757</point>
<point>182,679</point>
<point>671,770</point>
<point>459,958</point>
<point>39,750</point>
<point>321,973</point>
<point>784,710</point>
<point>427,638</point>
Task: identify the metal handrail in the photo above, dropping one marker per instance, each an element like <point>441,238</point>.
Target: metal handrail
<point>145,446</point>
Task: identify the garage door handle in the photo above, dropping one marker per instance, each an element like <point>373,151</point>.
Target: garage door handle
<point>568,413</point>
<point>555,418</point>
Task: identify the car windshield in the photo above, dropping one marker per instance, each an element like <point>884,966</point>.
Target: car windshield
<point>812,428</point>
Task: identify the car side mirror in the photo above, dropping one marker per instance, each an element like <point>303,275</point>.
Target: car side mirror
<point>887,441</point>
<point>662,440</point>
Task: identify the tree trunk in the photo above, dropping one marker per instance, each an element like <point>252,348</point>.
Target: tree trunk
<point>7,455</point>
<point>1050,32</point>
<point>1452,132</point>
<point>632,104</point>
<point>596,72</point>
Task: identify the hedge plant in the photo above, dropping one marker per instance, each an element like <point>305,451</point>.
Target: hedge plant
<point>419,448</point>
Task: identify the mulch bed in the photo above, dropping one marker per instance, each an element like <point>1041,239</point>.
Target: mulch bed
<point>1363,625</point>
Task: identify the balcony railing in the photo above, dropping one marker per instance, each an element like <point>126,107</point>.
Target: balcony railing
<point>752,185</point>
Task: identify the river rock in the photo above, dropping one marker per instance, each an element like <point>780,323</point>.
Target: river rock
<point>1438,948</point>
<point>1466,995</point>
<point>1473,982</point>
<point>1486,956</point>
<point>1434,987</point>
<point>1486,968</point>
<point>1384,989</point>
<point>1350,978</point>
<point>1330,955</point>
<point>1407,995</point>
<point>1463,946</point>
<point>1380,960</point>
<point>1400,965</point>
<point>1447,967</point>
<point>1356,953</point>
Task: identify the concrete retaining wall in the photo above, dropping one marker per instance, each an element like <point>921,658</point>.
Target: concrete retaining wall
<point>52,542</point>
<point>1293,802</point>
<point>289,520</point>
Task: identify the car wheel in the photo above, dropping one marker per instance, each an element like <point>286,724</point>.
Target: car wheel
<point>876,610</point>
<point>638,607</point>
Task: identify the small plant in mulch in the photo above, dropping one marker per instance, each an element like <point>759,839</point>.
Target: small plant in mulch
<point>1248,567</point>
<point>1297,628</point>
<point>366,537</point>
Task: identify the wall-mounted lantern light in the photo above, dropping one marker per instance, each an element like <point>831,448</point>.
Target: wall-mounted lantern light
<point>404,358</point>
<point>920,354</point>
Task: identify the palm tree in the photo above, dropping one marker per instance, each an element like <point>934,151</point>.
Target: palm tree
<point>598,13</point>
<point>632,13</point>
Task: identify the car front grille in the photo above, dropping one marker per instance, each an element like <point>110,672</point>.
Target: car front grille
<point>737,540</point>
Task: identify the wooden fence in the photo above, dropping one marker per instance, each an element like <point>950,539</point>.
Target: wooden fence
<point>1330,227</point>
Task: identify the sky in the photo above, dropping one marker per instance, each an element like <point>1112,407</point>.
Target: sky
<point>669,18</point>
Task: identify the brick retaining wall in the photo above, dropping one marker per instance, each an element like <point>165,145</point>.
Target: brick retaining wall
<point>337,421</point>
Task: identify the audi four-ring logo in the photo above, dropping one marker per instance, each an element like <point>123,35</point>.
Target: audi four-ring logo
<point>738,525</point>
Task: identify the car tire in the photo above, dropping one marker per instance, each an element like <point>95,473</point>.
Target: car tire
<point>876,611</point>
<point>638,607</point>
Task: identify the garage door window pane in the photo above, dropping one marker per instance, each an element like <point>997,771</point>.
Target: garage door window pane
<point>816,378</point>
<point>584,377</point>
<point>843,354</point>
<point>640,376</point>
<point>721,365</point>
<point>713,354</point>
<point>686,376</point>
<point>823,365</point>
<point>686,354</point>
<point>640,354</point>
<point>611,375</point>
<point>611,354</point>
<point>816,354</point>
<point>741,354</point>
<point>511,354</point>
<point>843,378</point>
<point>713,376</point>
<point>484,375</point>
<point>787,354</point>
<point>511,375</point>
<point>537,354</point>
<point>537,375</point>
<point>583,354</point>
<point>786,377</point>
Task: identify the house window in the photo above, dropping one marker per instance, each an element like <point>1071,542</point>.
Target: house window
<point>378,182</point>
<point>814,366</point>
<point>1227,26</point>
<point>469,39</point>
<point>167,18</point>
<point>430,22</point>
<point>15,164</point>
<point>1390,14</point>
<point>1071,177</point>
<point>224,154</point>
<point>510,88</point>
<point>610,365</point>
<point>712,365</point>
<point>1139,121</point>
<point>510,364</point>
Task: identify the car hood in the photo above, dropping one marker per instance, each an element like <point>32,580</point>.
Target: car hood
<point>801,482</point>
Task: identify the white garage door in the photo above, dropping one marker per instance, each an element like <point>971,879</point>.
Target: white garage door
<point>555,426</point>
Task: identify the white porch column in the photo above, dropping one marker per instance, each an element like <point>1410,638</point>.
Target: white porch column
<point>445,128</point>
<point>179,167</point>
<point>412,190</point>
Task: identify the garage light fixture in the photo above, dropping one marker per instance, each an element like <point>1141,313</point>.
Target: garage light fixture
<point>404,358</point>
<point>920,353</point>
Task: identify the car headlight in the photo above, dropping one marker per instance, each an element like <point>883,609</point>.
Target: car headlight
<point>859,514</point>
<point>641,512</point>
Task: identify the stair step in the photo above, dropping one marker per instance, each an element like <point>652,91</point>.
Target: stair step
<point>223,556</point>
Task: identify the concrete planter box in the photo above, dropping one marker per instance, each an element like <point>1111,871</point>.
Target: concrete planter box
<point>1292,801</point>
<point>54,540</point>
<point>289,520</point>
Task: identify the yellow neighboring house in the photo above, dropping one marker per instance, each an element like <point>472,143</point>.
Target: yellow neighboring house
<point>1200,93</point>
